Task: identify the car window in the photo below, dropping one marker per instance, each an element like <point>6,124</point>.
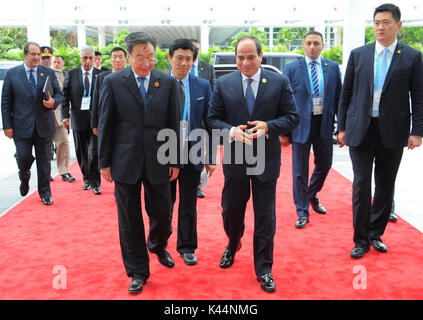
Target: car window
<point>227,59</point>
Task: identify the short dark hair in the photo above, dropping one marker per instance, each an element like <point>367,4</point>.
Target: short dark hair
<point>98,53</point>
<point>396,12</point>
<point>59,56</point>
<point>27,44</point>
<point>118,49</point>
<point>257,42</point>
<point>314,33</point>
<point>184,44</point>
<point>140,37</point>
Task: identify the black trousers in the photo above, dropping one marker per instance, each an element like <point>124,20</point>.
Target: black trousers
<point>131,226</point>
<point>24,159</point>
<point>87,156</point>
<point>370,218</point>
<point>188,180</point>
<point>235,195</point>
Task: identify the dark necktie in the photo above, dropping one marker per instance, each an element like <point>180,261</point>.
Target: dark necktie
<point>314,78</point>
<point>32,83</point>
<point>142,89</point>
<point>87,84</point>
<point>249,97</point>
<point>181,95</point>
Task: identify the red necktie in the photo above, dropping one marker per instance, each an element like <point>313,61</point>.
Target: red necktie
<point>87,84</point>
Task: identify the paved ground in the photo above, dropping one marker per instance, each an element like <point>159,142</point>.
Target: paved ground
<point>408,193</point>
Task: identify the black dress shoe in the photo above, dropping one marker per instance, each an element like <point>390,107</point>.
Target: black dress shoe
<point>393,217</point>
<point>189,259</point>
<point>227,259</point>
<point>379,246</point>
<point>357,253</point>
<point>97,190</point>
<point>166,259</point>
<point>136,284</point>
<point>24,188</point>
<point>267,283</point>
<point>86,186</point>
<point>200,193</point>
<point>317,207</point>
<point>301,222</point>
<point>47,201</point>
<point>68,177</point>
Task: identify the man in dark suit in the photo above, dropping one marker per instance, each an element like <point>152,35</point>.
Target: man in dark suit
<point>263,102</point>
<point>374,121</point>
<point>136,104</point>
<point>316,84</point>
<point>118,59</point>
<point>98,59</point>
<point>78,90</point>
<point>28,118</point>
<point>205,71</point>
<point>195,94</point>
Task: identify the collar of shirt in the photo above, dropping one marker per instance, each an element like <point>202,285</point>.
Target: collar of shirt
<point>28,68</point>
<point>254,84</point>
<point>146,81</point>
<point>318,60</point>
<point>90,73</point>
<point>379,48</point>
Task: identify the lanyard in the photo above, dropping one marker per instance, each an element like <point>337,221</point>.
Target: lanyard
<point>187,96</point>
<point>313,93</point>
<point>377,80</point>
<point>83,84</point>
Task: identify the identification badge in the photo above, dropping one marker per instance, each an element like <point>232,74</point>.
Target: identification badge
<point>317,106</point>
<point>85,103</point>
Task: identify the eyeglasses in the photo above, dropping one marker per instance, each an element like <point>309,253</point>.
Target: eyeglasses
<point>142,59</point>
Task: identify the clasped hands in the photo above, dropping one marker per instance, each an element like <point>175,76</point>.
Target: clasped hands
<point>243,135</point>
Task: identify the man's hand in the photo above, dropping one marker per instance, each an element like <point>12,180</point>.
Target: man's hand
<point>106,173</point>
<point>66,123</point>
<point>95,131</point>
<point>285,141</point>
<point>49,103</point>
<point>414,142</point>
<point>8,133</point>
<point>210,169</point>
<point>240,135</point>
<point>341,138</point>
<point>173,173</point>
<point>259,129</point>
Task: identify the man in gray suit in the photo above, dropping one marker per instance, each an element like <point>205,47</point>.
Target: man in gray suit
<point>374,121</point>
<point>136,103</point>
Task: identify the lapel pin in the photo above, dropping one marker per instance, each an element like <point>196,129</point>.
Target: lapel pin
<point>399,51</point>
<point>264,80</point>
<point>42,74</point>
<point>156,84</point>
<point>326,64</point>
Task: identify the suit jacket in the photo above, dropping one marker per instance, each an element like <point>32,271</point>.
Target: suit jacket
<point>404,78</point>
<point>297,73</point>
<point>128,129</point>
<point>73,90</point>
<point>274,104</point>
<point>206,71</point>
<point>96,97</point>
<point>200,96</point>
<point>21,111</point>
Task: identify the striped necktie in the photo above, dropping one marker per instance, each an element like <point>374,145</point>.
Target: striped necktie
<point>32,83</point>
<point>314,78</point>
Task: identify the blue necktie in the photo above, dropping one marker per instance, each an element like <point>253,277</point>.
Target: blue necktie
<point>249,97</point>
<point>142,89</point>
<point>314,78</point>
<point>32,83</point>
<point>383,68</point>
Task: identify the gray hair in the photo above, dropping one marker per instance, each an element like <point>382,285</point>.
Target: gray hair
<point>135,38</point>
<point>86,48</point>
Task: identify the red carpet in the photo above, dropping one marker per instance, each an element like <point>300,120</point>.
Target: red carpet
<point>80,233</point>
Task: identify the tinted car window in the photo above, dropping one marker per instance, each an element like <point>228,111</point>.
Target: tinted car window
<point>225,59</point>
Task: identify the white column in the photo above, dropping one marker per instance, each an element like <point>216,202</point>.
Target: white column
<point>204,38</point>
<point>270,38</point>
<point>82,36</point>
<point>101,38</point>
<point>38,29</point>
<point>354,27</point>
